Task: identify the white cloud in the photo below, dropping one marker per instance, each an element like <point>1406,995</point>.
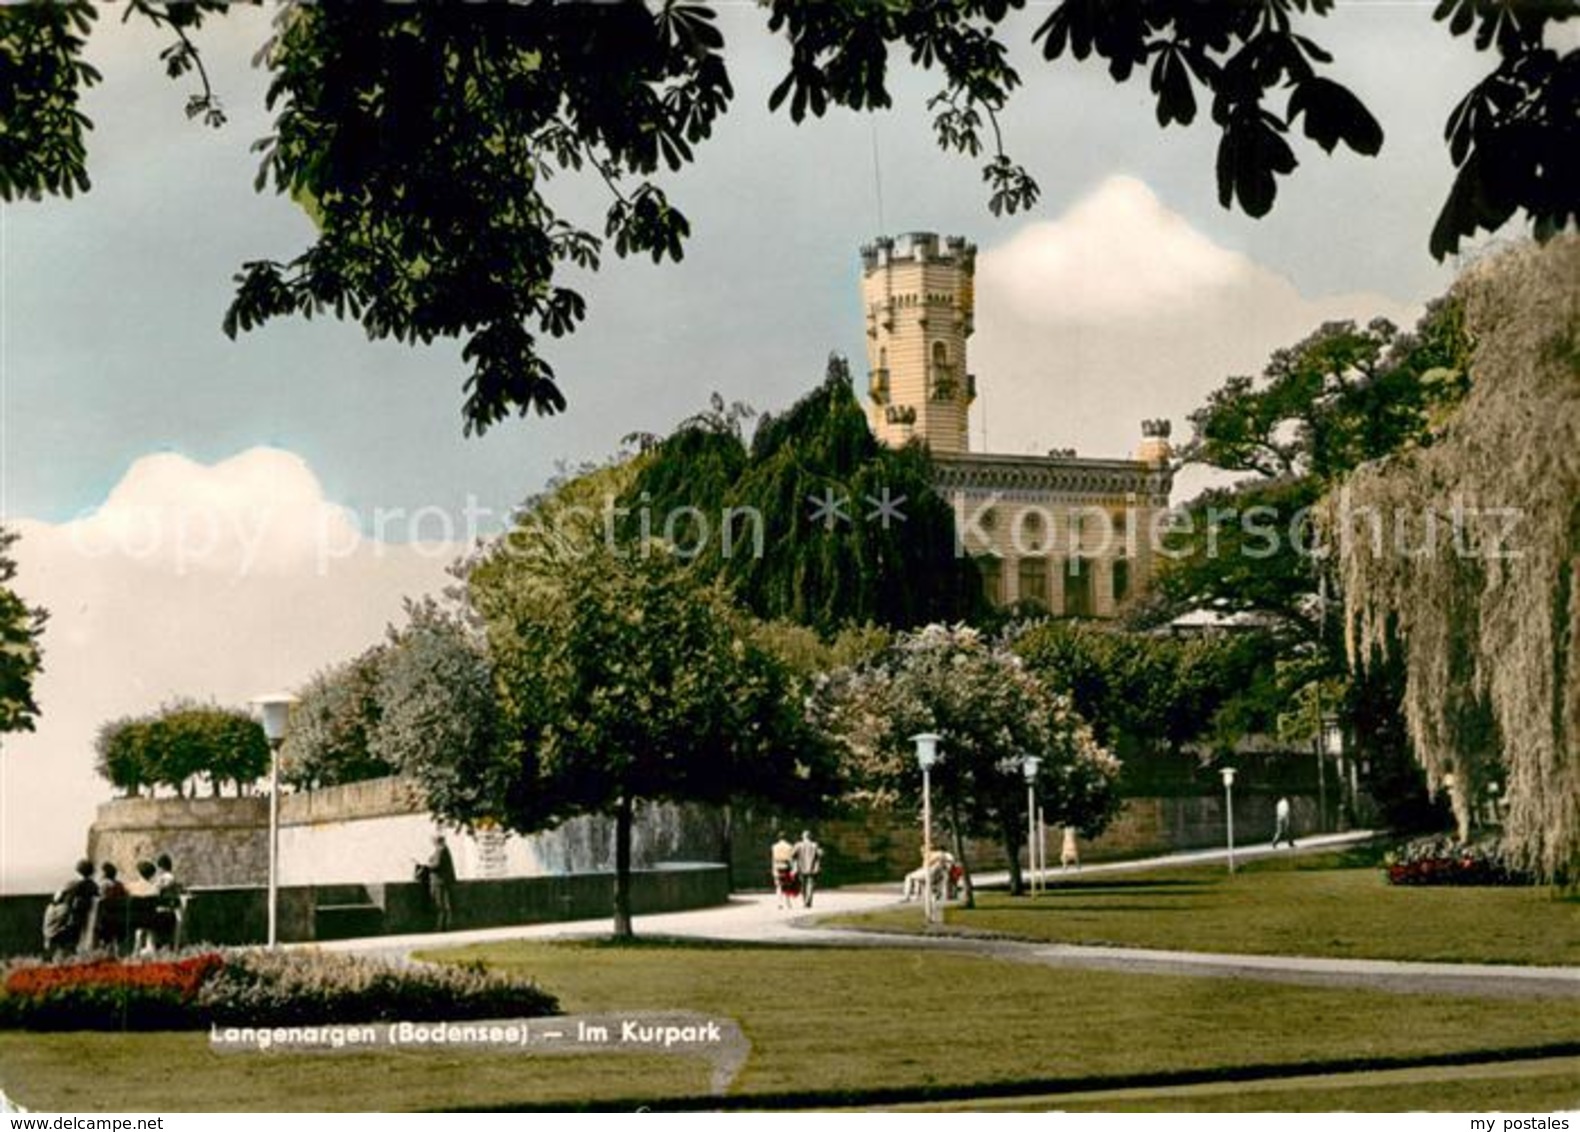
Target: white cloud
<point>1116,255</point>
<point>215,582</point>
<point>262,511</point>
<point>1120,310</point>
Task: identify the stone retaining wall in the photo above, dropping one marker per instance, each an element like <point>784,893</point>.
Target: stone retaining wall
<point>215,840</point>
<point>236,915</point>
<point>371,832</point>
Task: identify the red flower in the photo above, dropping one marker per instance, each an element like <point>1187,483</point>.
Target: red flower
<point>183,976</point>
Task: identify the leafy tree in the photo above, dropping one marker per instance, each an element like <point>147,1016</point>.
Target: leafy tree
<point>221,744</point>
<point>21,658</point>
<point>123,756</point>
<point>330,739</point>
<point>417,704</point>
<point>991,712</point>
<point>1484,617</point>
<point>809,656</point>
<point>1343,396</point>
<point>437,711</point>
<point>1146,692</point>
<point>1321,408</point>
<point>421,138</point>
<point>629,680</point>
<point>576,512</point>
<point>797,523</point>
<point>179,742</point>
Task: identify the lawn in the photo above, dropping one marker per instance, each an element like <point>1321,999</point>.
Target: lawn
<point>825,1024</point>
<point>1519,1086</point>
<point>1307,905</point>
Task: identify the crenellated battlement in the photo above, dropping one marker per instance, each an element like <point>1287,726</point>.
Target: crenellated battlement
<point>918,247</point>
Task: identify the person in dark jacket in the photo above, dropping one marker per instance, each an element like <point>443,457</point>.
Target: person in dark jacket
<point>111,926</point>
<point>808,858</point>
<point>66,917</point>
<point>438,873</point>
<point>172,901</point>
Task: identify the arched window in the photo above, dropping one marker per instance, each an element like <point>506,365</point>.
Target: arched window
<point>943,383</point>
<point>1034,581</point>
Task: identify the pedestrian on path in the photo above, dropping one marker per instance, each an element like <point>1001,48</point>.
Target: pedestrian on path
<point>1281,823</point>
<point>1070,853</point>
<point>808,857</point>
<point>782,859</point>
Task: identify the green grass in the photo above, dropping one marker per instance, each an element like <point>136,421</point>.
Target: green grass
<point>177,1072</point>
<point>1520,1086</point>
<point>824,1021</point>
<point>1281,906</point>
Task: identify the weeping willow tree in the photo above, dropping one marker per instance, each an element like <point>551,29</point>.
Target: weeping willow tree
<point>1463,558</point>
<point>815,522</point>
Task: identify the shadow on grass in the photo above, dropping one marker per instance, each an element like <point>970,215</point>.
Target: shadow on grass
<point>1065,908</point>
<point>936,1092</point>
<point>463,952</point>
<point>1104,884</point>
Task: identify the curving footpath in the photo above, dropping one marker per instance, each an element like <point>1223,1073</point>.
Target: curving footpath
<point>752,918</point>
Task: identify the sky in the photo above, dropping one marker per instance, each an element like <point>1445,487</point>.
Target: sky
<point>216,519</point>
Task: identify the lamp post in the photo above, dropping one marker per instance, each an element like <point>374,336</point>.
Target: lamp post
<point>1042,846</point>
<point>1331,738</point>
<point>926,756</point>
<point>1228,809</point>
<point>1029,766</point>
<point>276,710</point>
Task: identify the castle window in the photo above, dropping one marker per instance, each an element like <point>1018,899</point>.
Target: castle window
<point>1034,581</point>
<point>1027,531</point>
<point>878,385</point>
<point>1077,588</point>
<point>992,573</point>
<point>1121,580</point>
<point>944,386</point>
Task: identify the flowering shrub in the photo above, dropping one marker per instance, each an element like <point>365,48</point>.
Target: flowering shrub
<point>1443,860</point>
<point>284,988</point>
<point>253,988</point>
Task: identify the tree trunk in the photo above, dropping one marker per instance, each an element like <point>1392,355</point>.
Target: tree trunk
<point>622,869</point>
<point>1012,831</point>
<point>727,845</point>
<point>960,855</point>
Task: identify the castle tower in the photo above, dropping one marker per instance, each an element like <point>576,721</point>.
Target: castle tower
<point>1155,447</point>
<point>917,295</point>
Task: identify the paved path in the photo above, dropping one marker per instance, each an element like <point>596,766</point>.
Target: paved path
<point>753,918</point>
<point>1319,844</point>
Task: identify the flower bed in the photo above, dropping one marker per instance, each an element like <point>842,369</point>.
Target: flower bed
<point>255,988</point>
<point>1443,860</point>
<point>181,977</point>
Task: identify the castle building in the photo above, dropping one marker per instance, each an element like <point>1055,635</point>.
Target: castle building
<point>1071,534</point>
